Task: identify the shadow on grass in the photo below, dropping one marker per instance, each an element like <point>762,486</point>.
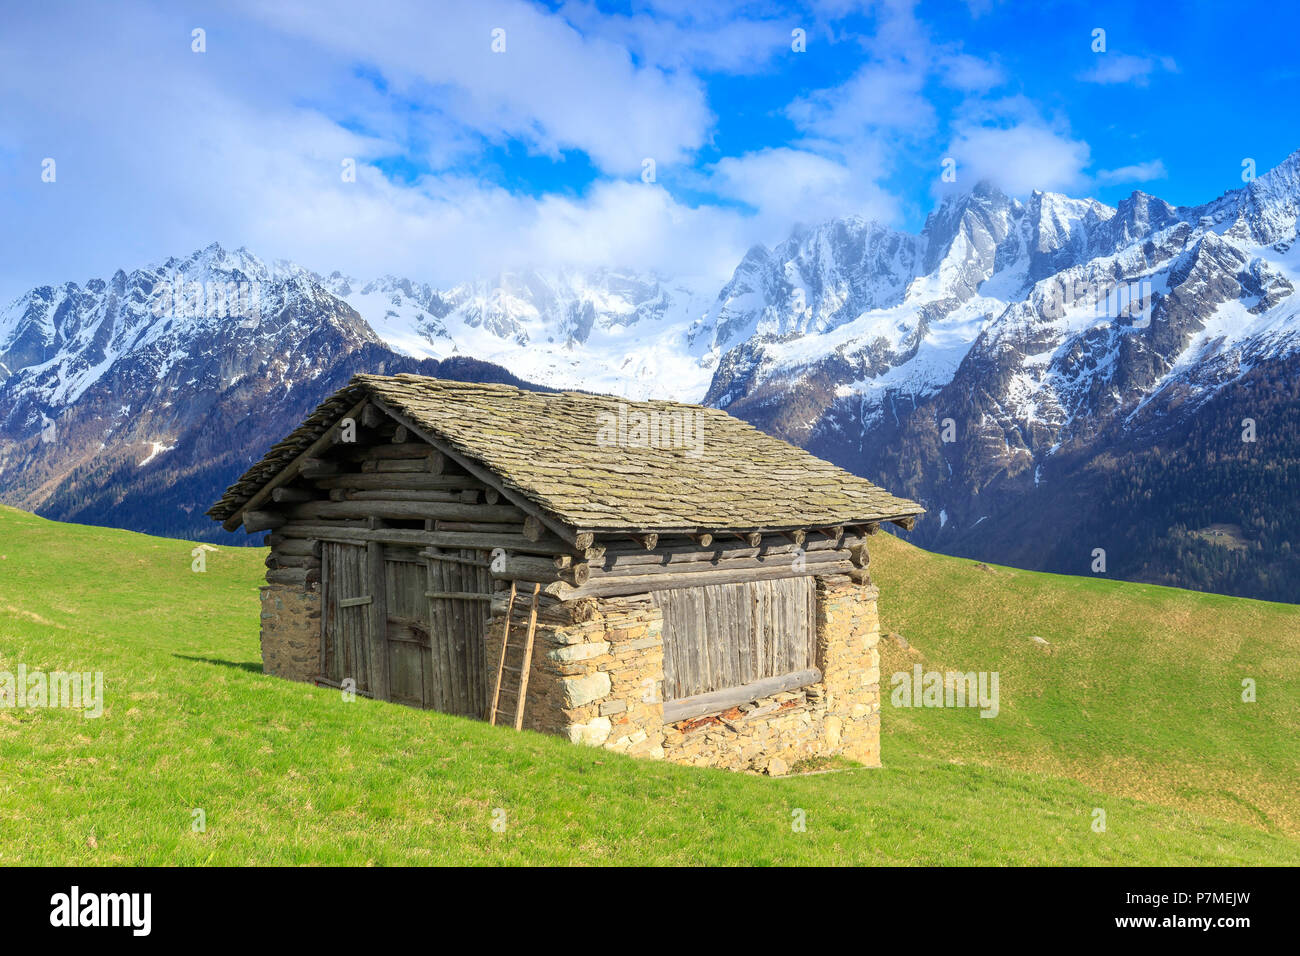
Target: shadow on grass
<point>253,667</point>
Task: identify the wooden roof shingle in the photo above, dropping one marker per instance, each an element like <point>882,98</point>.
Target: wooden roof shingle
<point>596,462</point>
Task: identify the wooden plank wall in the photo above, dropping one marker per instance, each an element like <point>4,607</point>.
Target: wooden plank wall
<point>724,635</point>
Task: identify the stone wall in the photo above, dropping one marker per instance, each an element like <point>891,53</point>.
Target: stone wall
<point>597,677</point>
<point>291,631</point>
<point>597,672</point>
<point>848,635</point>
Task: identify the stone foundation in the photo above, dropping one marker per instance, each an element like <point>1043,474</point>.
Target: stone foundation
<point>291,632</point>
<point>597,678</point>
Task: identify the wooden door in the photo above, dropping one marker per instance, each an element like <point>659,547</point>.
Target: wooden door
<point>408,626</point>
<point>407,634</point>
<point>459,602</point>
<point>348,602</point>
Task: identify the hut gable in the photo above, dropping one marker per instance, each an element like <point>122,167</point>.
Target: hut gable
<point>597,463</point>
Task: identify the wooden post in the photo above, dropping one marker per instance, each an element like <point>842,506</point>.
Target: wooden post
<point>378,621</point>
<point>505,641</point>
<point>528,661</point>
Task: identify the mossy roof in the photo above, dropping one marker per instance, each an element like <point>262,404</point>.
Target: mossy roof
<point>603,463</point>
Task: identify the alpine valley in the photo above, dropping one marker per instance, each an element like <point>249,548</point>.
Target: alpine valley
<point>1064,385</point>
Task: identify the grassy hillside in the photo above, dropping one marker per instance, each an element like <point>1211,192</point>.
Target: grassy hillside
<point>1136,710</point>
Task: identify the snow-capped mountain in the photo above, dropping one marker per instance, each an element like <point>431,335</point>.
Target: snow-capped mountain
<point>1034,343</point>
<point>618,332</point>
<point>862,318</point>
<point>135,400</point>
<point>989,366</point>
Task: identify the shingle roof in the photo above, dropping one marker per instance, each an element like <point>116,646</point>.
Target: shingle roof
<point>567,453</point>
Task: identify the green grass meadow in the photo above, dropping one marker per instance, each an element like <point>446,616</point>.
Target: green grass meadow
<point>1133,706</point>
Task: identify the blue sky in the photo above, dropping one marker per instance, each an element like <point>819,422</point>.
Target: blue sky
<point>472,160</point>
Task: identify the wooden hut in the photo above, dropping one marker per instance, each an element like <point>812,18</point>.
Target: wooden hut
<point>651,577</point>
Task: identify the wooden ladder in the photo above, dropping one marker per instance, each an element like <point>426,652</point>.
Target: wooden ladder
<point>525,663</point>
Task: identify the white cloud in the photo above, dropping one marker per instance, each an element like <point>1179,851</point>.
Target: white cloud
<point>969,73</point>
<point>715,37</point>
<point>1136,173</point>
<point>552,88</point>
<point>1112,68</point>
<point>165,150</point>
<point>788,186</point>
<point>878,97</point>
<point>1019,158</point>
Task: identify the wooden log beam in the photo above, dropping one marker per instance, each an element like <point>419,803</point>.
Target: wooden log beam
<point>318,468</point>
<point>467,497</point>
<point>255,521</point>
<point>419,466</point>
<point>291,495</point>
<point>810,559</point>
<point>703,539</point>
<point>907,524</point>
<point>407,450</point>
<point>533,528</point>
<point>282,545</point>
<point>674,554</point>
<point>354,532</point>
<point>588,555</point>
<point>405,510</point>
<point>539,570</point>
<point>715,702</point>
<point>292,560</point>
<point>612,586</point>
<point>487,527</point>
<point>363,482</point>
<point>647,541</point>
<point>294,577</point>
